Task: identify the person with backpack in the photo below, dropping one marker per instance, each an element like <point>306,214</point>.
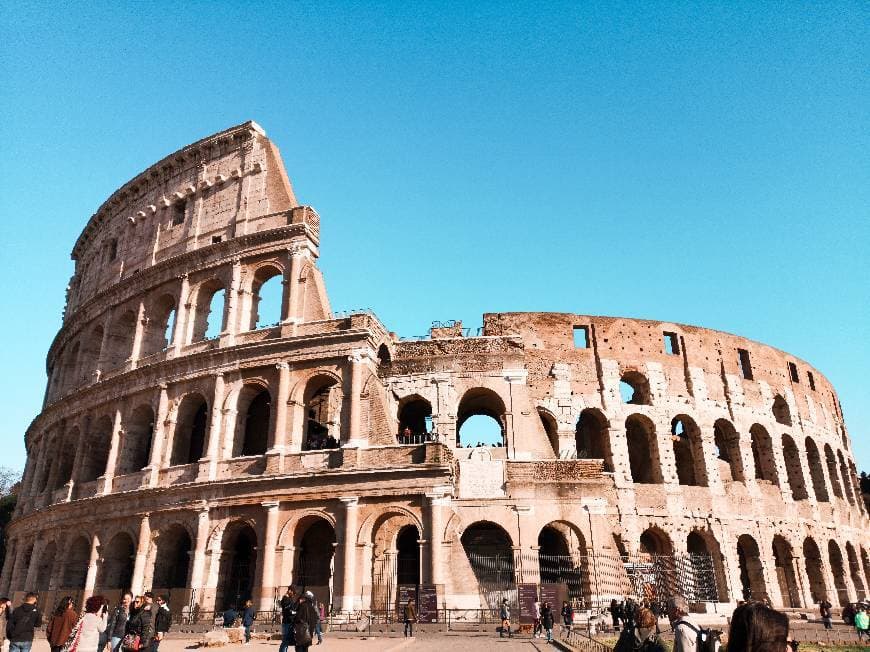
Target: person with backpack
<point>862,622</point>
<point>24,619</point>
<point>289,605</point>
<point>567,614</point>
<point>825,613</point>
<point>686,630</point>
<point>504,612</point>
<point>642,635</point>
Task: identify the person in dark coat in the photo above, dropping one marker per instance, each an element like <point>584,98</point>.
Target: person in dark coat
<point>305,620</point>
<point>548,620</point>
<point>24,619</point>
<point>248,617</point>
<point>118,621</point>
<point>162,621</point>
<point>289,604</point>
<point>141,623</point>
<point>614,613</point>
<point>230,616</point>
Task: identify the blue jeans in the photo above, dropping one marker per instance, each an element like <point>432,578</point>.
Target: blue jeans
<point>247,633</point>
<point>116,643</point>
<point>318,629</point>
<point>20,646</point>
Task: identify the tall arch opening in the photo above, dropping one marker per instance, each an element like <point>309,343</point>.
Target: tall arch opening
<point>634,388</point>
<point>688,451</point>
<point>46,565</point>
<point>815,573</point>
<point>75,568</point>
<point>560,547</point>
<point>252,429</point>
<point>66,458</point>
<point>551,429</point>
<point>781,411</point>
<point>706,581</point>
<point>267,294</point>
<point>238,564</point>
<point>408,556</point>
<point>209,317</point>
<point>160,326</point>
<point>90,354</point>
<point>643,450</point>
<point>315,548</point>
<point>188,441</point>
<point>831,463</point>
<point>480,418</point>
<point>592,437</point>
<point>116,569</point>
<point>751,569</point>
<point>793,469</point>
<point>655,575</point>
<point>855,570</point>
<point>119,343</point>
<point>415,419</point>
<point>838,570</point>
<point>762,455</point>
<point>136,440</point>
<point>727,442</point>
<point>847,481</point>
<point>489,550</point>
<point>99,442</point>
<point>322,399</point>
<point>172,565</point>
<point>785,573</point>
<point>817,475</point>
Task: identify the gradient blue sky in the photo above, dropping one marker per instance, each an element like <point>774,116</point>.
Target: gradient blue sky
<point>700,163</point>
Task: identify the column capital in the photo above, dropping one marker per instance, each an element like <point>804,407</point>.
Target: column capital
<point>350,501</point>
<point>361,355</point>
<point>300,249</point>
<point>271,505</point>
<point>282,366</point>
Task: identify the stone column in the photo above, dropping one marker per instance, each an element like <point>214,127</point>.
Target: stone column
<point>112,463</point>
<point>357,360</point>
<point>197,572</point>
<point>181,331</point>
<point>8,563</point>
<point>270,540</point>
<point>101,359</point>
<point>84,426</point>
<point>138,335</point>
<point>93,565</point>
<point>348,556</point>
<point>287,565</point>
<point>297,253</point>
<point>35,563</point>
<point>15,571</point>
<point>228,335</point>
<point>137,583</point>
<point>438,503</point>
<point>278,443</point>
<point>158,440</point>
<point>37,469</point>
<point>212,455</point>
<point>800,572</point>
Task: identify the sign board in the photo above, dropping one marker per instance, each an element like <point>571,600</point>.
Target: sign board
<point>427,605</point>
<point>527,594</point>
<point>554,594</point>
<point>404,592</point>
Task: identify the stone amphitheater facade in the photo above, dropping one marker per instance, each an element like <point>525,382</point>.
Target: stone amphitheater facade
<point>188,447</point>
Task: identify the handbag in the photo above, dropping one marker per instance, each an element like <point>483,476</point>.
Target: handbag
<point>301,634</point>
<point>72,641</point>
<point>131,642</point>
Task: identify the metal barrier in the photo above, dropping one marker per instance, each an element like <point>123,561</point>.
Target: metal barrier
<point>580,640</point>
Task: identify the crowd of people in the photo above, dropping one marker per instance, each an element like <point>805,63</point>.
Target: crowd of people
<point>133,625</point>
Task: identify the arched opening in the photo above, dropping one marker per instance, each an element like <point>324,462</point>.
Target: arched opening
<point>838,570</point>
<point>116,569</point>
<point>817,475</point>
<point>762,455</point>
<point>66,458</point>
<point>252,431</point>
<point>70,372</point>
<point>489,550</point>
<point>172,564</point>
<point>727,442</point>
<point>815,574</point>
<point>847,481</point>
<point>480,418</point>
<point>238,564</point>
<point>90,356</point>
<point>415,419</point>
<point>551,429</point>
<point>160,325</point>
<point>855,571</point>
<point>75,568</point>
<point>592,437</point>
<point>209,315</point>
<point>99,441</point>
<point>408,556</point>
<point>793,469</point>
<point>188,441</point>
<point>322,398</point>
<point>865,562</point>
<point>751,569</point>
<point>137,440</point>
<point>316,545</point>
<point>831,463</point>
<point>634,388</point>
<point>384,357</point>
<point>643,450</point>
<point>655,576</point>
<point>783,560</point>
<point>781,411</point>
<point>559,561</point>
<point>706,581</point>
<point>654,541</point>
<point>267,297</point>
<point>688,451</point>
<point>119,343</point>
<point>46,564</point>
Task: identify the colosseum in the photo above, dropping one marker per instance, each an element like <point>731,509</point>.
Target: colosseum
<point>192,445</point>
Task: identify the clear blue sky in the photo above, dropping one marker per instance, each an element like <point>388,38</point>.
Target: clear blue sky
<point>701,163</point>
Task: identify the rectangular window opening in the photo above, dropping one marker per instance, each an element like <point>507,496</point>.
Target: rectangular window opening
<point>215,239</point>
<point>745,364</point>
<point>178,213</point>
<point>811,380</point>
<point>581,337</point>
<point>793,372</point>
<point>672,343</point>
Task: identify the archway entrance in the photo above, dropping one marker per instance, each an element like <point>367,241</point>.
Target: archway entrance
<point>785,575</point>
<point>116,571</point>
<point>238,564</point>
<point>75,568</point>
<point>813,561</point>
<point>751,571</point>
<point>408,556</point>
<point>489,550</point>
<point>173,559</point>
<point>557,565</point>
<point>316,547</point>
<point>838,570</point>
<point>705,580</point>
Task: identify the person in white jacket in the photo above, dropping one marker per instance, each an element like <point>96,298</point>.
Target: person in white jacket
<point>93,624</point>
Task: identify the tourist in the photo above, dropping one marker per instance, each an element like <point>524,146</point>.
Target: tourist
<point>547,621</point>
<point>162,621</point>
<point>862,623</point>
<point>4,617</point>
<point>686,630</point>
<point>321,615</point>
<point>567,614</point>
<point>288,604</point>
<point>93,624</point>
<point>504,613</point>
<point>248,617</point>
<point>61,624</point>
<point>140,626</point>
<point>304,624</point>
<point>614,613</point>
<point>118,622</point>
<point>24,619</point>
<point>825,613</point>
<point>642,634</point>
<point>755,627</point>
<point>537,626</point>
<point>410,617</point>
